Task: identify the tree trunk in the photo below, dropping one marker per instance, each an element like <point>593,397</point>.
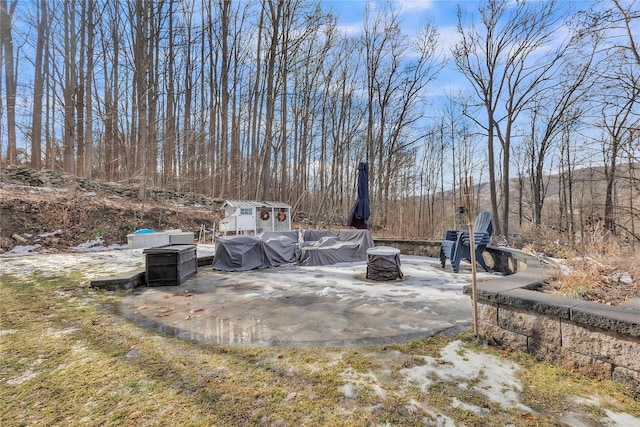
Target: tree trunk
<point>169,139</point>
<point>69,90</point>
<point>141,81</point>
<point>493,191</point>
<point>79,93</point>
<point>234,168</point>
<point>610,177</point>
<point>88,137</point>
<point>38,88</point>
<point>153,46</point>
<point>275,15</point>
<point>6,17</point>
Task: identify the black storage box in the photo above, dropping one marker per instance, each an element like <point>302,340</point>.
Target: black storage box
<point>170,265</point>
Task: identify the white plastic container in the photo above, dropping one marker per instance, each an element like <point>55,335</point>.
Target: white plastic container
<point>181,238</point>
<point>147,240</point>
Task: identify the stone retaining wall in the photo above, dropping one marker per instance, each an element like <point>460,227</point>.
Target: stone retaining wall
<point>429,248</point>
<point>598,340</point>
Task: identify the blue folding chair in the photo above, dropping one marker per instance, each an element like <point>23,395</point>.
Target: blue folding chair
<point>456,245</point>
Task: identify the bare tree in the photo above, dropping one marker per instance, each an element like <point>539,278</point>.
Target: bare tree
<point>70,85</point>
<point>169,123</point>
<point>78,96</point>
<point>413,78</point>
<point>431,176</point>
<point>379,33</point>
<point>141,64</point>
<point>87,164</point>
<point>83,105</point>
<point>156,22</point>
<point>395,85</point>
<point>556,105</point>
<point>617,118</point>
<point>111,60</point>
<point>7,55</point>
<point>275,10</point>
<point>38,87</point>
<point>502,61</point>
<point>623,123</point>
<point>225,59</point>
<point>618,92</point>
<point>627,16</point>
<point>567,163</point>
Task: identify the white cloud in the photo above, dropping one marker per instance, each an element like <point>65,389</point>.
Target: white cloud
<point>350,29</point>
<point>449,36</point>
<point>411,6</point>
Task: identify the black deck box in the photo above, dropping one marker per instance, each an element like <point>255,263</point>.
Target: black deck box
<point>170,265</point>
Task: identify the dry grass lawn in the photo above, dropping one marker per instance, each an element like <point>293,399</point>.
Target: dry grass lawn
<point>68,358</point>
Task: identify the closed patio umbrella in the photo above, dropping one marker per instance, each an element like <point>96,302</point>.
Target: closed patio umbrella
<point>361,211</point>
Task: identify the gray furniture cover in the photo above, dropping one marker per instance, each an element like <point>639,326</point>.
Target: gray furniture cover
<point>347,246</point>
<point>310,237</point>
<point>281,247</point>
<point>383,263</point>
<point>239,253</point>
<point>271,249</point>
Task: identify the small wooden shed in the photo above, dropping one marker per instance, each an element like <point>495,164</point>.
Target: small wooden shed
<point>252,217</point>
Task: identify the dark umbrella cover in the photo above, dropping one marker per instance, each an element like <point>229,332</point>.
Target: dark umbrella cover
<point>361,210</point>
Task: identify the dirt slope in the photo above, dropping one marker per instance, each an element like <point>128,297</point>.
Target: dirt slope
<point>61,218</point>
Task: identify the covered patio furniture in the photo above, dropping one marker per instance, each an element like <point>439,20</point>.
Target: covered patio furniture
<point>383,263</point>
<point>281,247</point>
<point>269,249</point>
<point>310,237</point>
<point>239,253</point>
<point>347,246</point>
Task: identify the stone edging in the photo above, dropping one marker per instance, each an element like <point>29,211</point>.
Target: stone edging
<point>598,340</point>
<point>133,278</point>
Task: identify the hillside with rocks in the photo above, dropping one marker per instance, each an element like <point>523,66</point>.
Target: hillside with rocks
<point>56,212</point>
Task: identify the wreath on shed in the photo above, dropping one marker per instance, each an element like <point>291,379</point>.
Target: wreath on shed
<point>264,215</point>
<point>282,216</point>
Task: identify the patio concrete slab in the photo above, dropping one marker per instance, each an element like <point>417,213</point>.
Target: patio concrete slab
<point>300,305</point>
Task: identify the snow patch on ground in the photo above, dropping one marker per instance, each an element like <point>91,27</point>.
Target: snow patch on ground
<point>53,233</point>
<point>23,250</point>
<point>355,380</point>
<point>93,263</point>
<point>622,419</point>
<point>328,292</point>
<point>493,377</point>
<point>94,245</point>
<point>26,376</point>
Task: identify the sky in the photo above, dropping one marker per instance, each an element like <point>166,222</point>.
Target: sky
<point>413,14</point>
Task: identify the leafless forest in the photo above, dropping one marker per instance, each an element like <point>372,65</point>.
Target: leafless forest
<point>273,100</point>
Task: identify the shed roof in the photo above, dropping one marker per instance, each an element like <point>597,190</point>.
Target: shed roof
<point>254,204</point>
